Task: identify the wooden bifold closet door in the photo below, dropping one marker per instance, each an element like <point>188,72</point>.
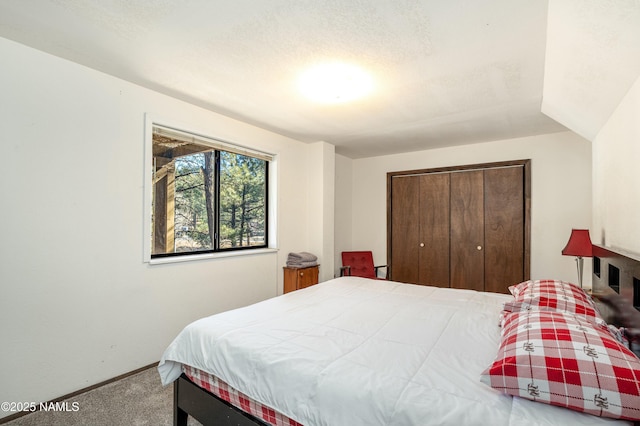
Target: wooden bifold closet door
<point>462,227</point>
<point>421,257</point>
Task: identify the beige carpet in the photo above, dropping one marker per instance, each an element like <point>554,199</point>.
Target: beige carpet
<point>134,401</point>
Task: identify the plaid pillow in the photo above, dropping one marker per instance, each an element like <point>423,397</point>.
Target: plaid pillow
<point>518,289</point>
<point>562,360</point>
<point>553,295</point>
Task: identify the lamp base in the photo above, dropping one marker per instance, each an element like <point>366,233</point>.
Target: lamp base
<point>579,265</point>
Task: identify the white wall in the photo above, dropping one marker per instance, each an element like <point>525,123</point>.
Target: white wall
<point>319,192</point>
<point>561,194</point>
<point>616,177</point>
<point>78,305</point>
<point>343,209</point>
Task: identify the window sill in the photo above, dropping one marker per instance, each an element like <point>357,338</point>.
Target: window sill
<point>206,256</point>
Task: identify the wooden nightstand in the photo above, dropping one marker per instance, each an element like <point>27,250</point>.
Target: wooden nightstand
<point>297,278</point>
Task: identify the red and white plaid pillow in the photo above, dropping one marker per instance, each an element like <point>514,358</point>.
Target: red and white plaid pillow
<point>559,359</point>
<point>553,295</point>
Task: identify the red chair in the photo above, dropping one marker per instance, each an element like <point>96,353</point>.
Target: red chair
<point>360,264</point>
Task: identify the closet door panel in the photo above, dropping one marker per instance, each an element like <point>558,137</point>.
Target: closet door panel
<point>504,228</point>
<point>434,229</point>
<point>405,222</point>
<point>467,230</point>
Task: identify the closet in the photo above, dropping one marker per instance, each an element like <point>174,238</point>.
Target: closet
<point>460,227</point>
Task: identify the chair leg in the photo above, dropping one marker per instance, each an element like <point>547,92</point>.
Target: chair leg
<point>345,271</point>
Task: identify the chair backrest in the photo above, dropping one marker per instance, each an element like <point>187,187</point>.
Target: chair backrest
<point>361,263</point>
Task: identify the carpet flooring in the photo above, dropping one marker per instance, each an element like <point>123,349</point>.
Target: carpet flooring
<point>137,400</point>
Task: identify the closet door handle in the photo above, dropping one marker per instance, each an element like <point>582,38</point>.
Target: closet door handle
<point>421,244</point>
<point>479,247</point>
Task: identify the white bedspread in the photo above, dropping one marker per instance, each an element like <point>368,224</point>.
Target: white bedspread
<point>354,351</point>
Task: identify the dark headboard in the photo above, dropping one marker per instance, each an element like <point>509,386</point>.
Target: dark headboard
<point>616,271</point>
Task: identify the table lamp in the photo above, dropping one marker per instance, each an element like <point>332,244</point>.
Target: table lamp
<point>579,245</point>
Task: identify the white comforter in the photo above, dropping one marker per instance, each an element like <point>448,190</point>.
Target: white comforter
<point>354,351</point>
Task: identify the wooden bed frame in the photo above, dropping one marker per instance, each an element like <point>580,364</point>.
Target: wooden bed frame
<point>612,271</point>
<point>615,271</point>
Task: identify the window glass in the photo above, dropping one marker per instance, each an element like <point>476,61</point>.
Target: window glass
<point>243,198</point>
<point>205,198</point>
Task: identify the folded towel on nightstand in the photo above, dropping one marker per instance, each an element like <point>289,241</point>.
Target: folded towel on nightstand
<point>301,260</point>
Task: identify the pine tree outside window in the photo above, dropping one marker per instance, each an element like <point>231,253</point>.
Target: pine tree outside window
<point>208,196</point>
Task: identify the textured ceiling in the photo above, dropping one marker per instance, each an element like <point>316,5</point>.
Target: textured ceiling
<point>445,72</point>
<point>592,59</point>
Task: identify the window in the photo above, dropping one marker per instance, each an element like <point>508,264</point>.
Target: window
<point>207,195</point>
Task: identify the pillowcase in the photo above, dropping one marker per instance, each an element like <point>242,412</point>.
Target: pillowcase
<point>518,289</point>
<point>553,295</point>
<point>559,359</point>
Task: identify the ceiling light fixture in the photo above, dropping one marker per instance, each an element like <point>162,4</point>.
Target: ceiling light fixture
<point>335,83</point>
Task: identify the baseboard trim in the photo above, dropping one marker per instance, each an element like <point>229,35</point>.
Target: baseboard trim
<point>79,392</point>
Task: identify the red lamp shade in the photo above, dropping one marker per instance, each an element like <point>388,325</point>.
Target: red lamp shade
<point>579,244</point>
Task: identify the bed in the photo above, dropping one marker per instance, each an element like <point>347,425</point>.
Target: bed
<point>353,351</point>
